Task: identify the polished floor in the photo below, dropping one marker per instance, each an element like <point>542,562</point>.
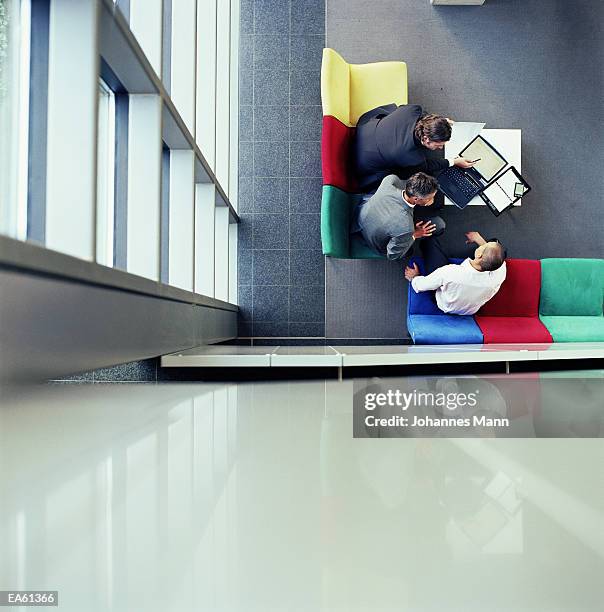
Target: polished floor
<point>256,497</point>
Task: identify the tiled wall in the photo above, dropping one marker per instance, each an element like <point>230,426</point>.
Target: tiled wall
<point>281,268</point>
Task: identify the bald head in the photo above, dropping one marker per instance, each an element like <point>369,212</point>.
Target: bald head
<point>492,257</point>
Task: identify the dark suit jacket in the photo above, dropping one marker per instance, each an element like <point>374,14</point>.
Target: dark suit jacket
<point>385,144</point>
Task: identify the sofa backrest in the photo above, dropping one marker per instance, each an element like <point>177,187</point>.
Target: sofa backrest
<point>519,293</point>
<point>572,287</point>
<point>335,86</point>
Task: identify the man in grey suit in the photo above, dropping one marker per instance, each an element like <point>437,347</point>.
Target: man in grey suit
<point>385,220</point>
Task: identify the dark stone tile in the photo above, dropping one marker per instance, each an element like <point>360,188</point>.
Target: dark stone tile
<point>271,16</point>
<point>304,87</point>
<point>246,53</point>
<point>271,303</point>
<point>271,195</point>
<point>305,195</point>
<point>305,232</point>
<point>246,16</point>
<point>271,158</point>
<point>307,304</point>
<point>246,303</point>
<point>271,87</point>
<point>246,158</point>
<point>136,371</point>
<point>246,87</point>
<point>305,159</point>
<point>271,52</point>
<point>306,267</point>
<point>245,329</point>
<point>245,266</point>
<point>273,329</point>
<point>271,267</point>
<point>245,231</point>
<point>305,122</point>
<point>306,52</point>
<point>307,329</point>
<point>308,17</point>
<point>246,123</point>
<point>271,231</point>
<point>246,194</point>
<point>271,123</point>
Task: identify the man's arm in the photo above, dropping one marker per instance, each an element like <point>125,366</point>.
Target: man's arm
<point>399,245</point>
<point>425,283</point>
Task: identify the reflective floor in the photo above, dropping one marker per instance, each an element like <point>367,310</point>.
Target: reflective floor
<point>256,497</point>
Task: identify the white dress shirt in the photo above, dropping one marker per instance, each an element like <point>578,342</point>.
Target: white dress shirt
<point>460,288</point>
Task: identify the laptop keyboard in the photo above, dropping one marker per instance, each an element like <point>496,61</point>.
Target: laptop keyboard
<point>461,181</point>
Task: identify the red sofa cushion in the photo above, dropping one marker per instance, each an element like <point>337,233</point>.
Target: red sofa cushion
<point>519,293</point>
<point>336,142</point>
<point>513,330</point>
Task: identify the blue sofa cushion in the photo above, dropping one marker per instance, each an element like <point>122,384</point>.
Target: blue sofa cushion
<point>427,324</point>
<point>443,329</point>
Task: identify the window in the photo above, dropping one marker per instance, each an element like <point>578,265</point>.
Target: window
<point>14,116</point>
<point>105,205</point>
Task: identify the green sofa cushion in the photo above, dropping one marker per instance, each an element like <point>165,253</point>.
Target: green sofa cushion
<point>574,329</point>
<point>336,209</point>
<point>572,287</point>
<point>336,215</point>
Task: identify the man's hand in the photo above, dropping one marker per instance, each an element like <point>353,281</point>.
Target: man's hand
<point>475,237</point>
<point>423,229</point>
<point>411,273</point>
<point>462,162</point>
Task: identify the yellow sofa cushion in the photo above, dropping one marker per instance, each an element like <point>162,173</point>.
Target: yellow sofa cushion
<point>373,85</point>
<point>349,90</point>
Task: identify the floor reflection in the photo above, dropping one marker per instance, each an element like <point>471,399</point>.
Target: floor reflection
<point>257,497</point>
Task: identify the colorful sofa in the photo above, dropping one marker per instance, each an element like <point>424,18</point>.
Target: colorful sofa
<point>557,300</point>
<point>572,292</point>
<point>348,91</point>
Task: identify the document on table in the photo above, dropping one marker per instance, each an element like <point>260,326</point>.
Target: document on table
<point>462,133</point>
<point>505,190</point>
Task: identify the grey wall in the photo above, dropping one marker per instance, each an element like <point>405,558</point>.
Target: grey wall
<point>51,328</point>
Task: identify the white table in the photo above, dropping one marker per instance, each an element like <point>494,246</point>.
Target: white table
<point>506,141</point>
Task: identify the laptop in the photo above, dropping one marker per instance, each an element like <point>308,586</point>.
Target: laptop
<point>461,185</point>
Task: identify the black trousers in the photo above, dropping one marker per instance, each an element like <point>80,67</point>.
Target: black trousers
<point>435,256</point>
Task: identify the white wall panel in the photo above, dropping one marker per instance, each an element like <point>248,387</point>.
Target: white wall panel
<point>221,261</point>
<point>144,185</point>
<point>234,101</point>
<point>71,135</point>
<point>206,79</point>
<point>184,44</point>
<point>223,81</point>
<point>146,18</point>
<point>182,201</point>
<point>205,209</point>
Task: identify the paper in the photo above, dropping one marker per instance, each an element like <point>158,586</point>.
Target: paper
<point>463,132</point>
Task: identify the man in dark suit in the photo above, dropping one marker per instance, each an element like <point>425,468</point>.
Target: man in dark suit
<point>395,140</point>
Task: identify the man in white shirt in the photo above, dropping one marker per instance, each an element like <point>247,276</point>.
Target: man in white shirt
<point>460,288</point>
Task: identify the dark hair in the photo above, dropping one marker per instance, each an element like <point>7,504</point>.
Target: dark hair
<point>434,127</point>
<point>420,185</point>
<point>492,257</point>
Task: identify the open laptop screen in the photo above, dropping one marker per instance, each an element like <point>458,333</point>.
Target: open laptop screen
<point>490,161</point>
